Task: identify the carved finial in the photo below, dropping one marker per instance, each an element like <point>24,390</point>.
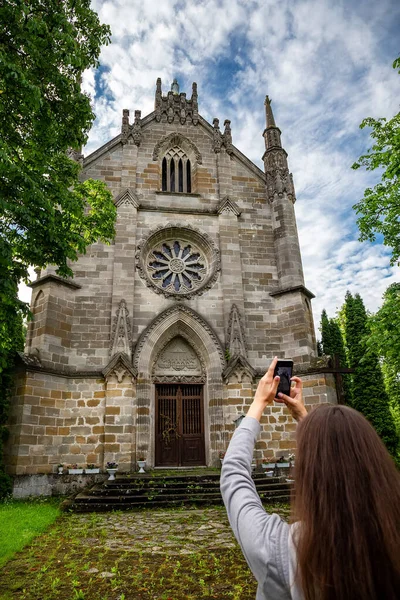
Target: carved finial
<point>75,155</point>
<point>121,333</point>
<point>158,100</point>
<point>272,133</point>
<point>236,343</point>
<point>125,126</point>
<point>269,115</point>
<point>175,87</point>
<point>195,105</point>
<point>227,137</point>
<point>137,128</point>
<point>217,137</point>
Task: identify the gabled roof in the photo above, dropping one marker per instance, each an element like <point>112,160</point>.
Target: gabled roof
<point>118,140</point>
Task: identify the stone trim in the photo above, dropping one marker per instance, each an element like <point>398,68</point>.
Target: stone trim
<point>127,196</point>
<point>32,363</point>
<point>50,278</point>
<point>228,205</point>
<point>174,209</point>
<point>238,366</point>
<point>120,366</point>
<point>179,379</point>
<point>180,194</point>
<point>296,288</point>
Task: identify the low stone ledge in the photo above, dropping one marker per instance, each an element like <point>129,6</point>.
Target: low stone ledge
<point>53,484</point>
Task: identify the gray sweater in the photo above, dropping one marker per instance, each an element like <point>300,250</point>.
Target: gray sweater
<point>266,540</point>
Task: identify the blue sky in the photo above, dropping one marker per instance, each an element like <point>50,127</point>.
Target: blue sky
<point>326,64</point>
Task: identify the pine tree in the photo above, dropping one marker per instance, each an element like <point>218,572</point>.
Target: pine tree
<point>369,395</point>
<point>325,330</point>
<point>333,344</point>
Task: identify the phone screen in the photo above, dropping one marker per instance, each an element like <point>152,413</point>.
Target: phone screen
<point>284,368</point>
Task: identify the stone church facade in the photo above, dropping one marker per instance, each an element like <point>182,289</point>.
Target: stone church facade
<point>154,348</point>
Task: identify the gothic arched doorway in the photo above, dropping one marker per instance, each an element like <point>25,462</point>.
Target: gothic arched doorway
<point>179,406</point>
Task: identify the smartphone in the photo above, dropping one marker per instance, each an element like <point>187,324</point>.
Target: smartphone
<point>284,368</point>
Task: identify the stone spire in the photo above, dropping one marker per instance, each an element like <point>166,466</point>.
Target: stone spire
<point>279,180</point>
<point>272,133</point>
<point>280,193</point>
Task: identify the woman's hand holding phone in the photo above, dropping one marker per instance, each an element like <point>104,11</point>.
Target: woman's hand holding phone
<point>294,402</point>
<point>267,391</point>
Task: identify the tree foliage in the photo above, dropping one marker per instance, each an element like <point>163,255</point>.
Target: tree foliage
<point>384,336</point>
<point>379,210</point>
<point>384,339</point>
<point>368,390</point>
<point>47,215</point>
<point>333,345</point>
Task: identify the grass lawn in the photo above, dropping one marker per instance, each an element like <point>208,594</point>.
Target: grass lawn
<point>137,555</point>
<point>21,521</point>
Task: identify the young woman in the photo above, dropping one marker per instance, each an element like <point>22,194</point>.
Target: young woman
<point>344,542</point>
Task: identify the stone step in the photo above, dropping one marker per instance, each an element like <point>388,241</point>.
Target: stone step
<point>164,495</point>
<point>111,506</point>
<point>117,491</point>
<point>148,491</point>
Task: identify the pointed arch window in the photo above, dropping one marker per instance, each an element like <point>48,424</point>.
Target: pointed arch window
<point>176,173</point>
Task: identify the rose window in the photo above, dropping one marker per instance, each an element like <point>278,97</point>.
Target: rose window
<point>177,266</point>
<point>178,260</point>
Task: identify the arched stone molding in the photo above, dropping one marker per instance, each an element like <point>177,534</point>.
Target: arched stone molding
<point>180,321</point>
<point>177,139</point>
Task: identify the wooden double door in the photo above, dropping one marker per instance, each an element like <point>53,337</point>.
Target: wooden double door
<point>179,425</point>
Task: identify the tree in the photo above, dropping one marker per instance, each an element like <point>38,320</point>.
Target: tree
<point>384,340</point>
<point>385,327</point>
<point>379,210</point>
<point>369,395</point>
<point>47,215</point>
<point>333,344</point>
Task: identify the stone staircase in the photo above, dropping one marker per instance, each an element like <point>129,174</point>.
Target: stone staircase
<point>158,491</point>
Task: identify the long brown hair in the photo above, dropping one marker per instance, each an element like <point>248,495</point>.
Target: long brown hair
<point>347,501</point>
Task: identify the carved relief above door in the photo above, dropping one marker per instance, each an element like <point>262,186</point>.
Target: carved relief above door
<point>178,362</point>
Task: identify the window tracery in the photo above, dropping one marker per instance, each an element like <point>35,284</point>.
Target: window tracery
<point>176,171</point>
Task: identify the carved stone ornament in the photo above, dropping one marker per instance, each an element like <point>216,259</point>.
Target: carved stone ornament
<point>178,310</point>
<point>177,139</point>
<point>235,339</point>
<point>175,107</point>
<point>278,178</point>
<point>75,155</point>
<point>178,261</point>
<point>227,137</point>
<point>228,205</point>
<point>134,131</point>
<point>127,196</point>
<point>177,361</point>
<point>120,366</point>
<point>121,339</point>
<point>239,369</point>
<point>217,137</point>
